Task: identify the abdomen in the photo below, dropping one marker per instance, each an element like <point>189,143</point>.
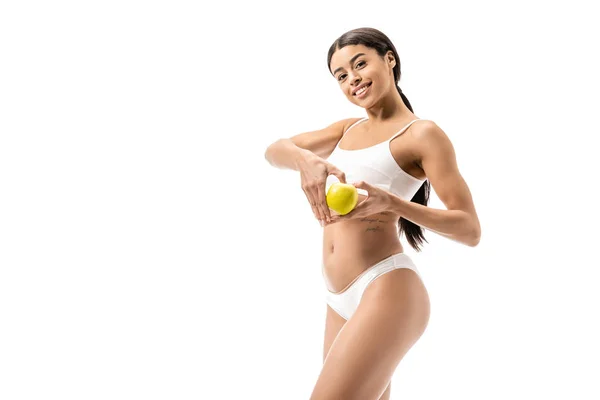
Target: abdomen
<point>350,247</point>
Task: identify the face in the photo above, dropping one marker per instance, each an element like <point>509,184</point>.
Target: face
<point>352,70</point>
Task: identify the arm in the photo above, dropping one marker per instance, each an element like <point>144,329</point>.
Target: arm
<point>460,221</point>
<point>284,154</point>
<point>292,152</point>
<point>306,153</point>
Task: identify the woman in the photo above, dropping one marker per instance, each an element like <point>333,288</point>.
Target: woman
<point>373,289</point>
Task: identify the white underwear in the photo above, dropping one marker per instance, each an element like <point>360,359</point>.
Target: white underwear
<point>346,300</point>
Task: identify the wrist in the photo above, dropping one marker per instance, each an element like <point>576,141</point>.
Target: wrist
<point>397,204</point>
<point>302,157</point>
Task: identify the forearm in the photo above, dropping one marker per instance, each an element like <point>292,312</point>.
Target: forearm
<point>284,154</point>
<point>456,225</point>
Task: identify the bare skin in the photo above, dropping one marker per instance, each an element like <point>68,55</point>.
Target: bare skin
<point>360,355</point>
<point>349,248</point>
<point>358,244</point>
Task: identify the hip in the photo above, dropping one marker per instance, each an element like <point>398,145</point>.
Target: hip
<point>343,265</point>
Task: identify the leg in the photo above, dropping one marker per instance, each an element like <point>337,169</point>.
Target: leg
<point>333,324</point>
<point>386,394</point>
<point>391,317</point>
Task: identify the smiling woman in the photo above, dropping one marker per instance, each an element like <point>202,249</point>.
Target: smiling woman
<point>372,288</point>
<point>378,46</point>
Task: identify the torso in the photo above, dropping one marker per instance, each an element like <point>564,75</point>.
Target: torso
<point>352,246</point>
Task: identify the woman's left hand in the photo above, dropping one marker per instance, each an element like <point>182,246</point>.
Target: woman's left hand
<point>378,200</point>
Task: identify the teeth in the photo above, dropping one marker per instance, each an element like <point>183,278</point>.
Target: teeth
<point>362,89</point>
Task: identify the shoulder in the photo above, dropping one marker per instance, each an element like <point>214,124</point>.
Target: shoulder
<point>426,128</point>
<point>429,133</point>
<point>431,139</point>
<point>323,141</point>
<point>348,122</point>
<point>339,127</point>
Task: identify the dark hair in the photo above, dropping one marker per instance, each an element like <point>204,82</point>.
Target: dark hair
<point>375,39</point>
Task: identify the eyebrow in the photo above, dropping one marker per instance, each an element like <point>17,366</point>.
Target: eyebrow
<point>351,61</point>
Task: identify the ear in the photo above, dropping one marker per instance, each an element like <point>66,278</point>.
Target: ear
<point>391,59</point>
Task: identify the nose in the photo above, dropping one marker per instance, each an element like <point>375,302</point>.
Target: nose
<point>355,79</point>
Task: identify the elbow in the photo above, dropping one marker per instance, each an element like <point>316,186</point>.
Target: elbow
<point>268,153</point>
<point>473,241</point>
<point>271,148</point>
<point>474,237</point>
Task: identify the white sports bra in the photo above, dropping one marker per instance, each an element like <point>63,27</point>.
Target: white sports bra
<point>376,166</point>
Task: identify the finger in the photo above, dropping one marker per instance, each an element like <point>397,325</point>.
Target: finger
<point>339,174</point>
<point>361,184</point>
<point>317,202</point>
<point>334,219</point>
<point>311,201</point>
<point>361,204</point>
<point>365,188</point>
<point>345,217</point>
<point>323,202</point>
<point>357,211</point>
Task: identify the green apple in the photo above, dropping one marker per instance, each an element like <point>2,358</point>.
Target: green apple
<point>342,197</point>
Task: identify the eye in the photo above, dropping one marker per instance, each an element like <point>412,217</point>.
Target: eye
<point>357,65</point>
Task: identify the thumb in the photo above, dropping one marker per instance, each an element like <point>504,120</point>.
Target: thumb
<point>362,185</point>
<point>339,174</point>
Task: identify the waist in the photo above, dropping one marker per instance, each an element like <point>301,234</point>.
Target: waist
<point>362,235</point>
<point>357,256</point>
<point>342,268</point>
<point>350,247</point>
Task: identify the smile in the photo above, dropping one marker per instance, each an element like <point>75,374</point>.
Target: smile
<point>362,91</point>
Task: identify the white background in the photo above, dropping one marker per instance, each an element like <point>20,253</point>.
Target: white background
<point>149,251</point>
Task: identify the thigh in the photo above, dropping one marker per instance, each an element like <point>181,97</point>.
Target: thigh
<point>333,324</point>
<point>391,317</point>
<point>387,393</point>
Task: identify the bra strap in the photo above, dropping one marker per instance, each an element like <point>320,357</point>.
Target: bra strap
<point>403,129</point>
<point>356,123</point>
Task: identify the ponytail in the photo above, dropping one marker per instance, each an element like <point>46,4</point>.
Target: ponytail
<point>377,40</point>
<point>413,232</point>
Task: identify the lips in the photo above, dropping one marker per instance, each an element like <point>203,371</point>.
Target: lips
<point>360,87</point>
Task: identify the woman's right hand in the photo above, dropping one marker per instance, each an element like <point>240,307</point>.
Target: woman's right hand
<point>313,174</point>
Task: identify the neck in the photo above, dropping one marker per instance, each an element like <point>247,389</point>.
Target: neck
<point>390,108</point>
